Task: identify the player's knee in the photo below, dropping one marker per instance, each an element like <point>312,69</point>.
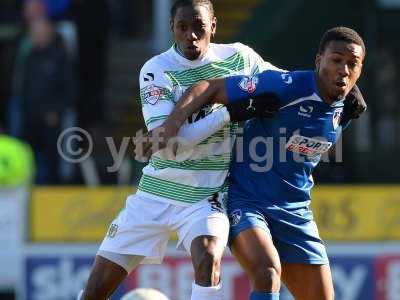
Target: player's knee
<point>207,269</point>
<point>267,279</point>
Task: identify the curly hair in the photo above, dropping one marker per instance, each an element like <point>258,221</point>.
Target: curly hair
<point>341,34</point>
<point>182,3</point>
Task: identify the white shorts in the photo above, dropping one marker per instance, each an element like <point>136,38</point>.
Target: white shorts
<point>145,225</point>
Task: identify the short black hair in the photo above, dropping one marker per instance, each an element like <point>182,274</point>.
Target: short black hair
<point>341,34</point>
<point>192,3</point>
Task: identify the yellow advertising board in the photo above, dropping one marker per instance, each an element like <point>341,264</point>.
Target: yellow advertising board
<point>357,212</point>
<point>343,213</point>
<point>74,214</point>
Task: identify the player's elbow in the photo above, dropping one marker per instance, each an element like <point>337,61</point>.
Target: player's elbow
<point>219,91</point>
<point>211,91</point>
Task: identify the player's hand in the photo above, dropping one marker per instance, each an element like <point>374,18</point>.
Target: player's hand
<point>354,104</point>
<point>155,140</point>
<point>263,106</point>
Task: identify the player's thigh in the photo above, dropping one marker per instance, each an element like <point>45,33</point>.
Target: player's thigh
<point>109,270</point>
<point>308,282</point>
<point>250,239</point>
<point>296,237</point>
<point>141,229</point>
<point>254,250</point>
<point>204,227</point>
<point>104,278</point>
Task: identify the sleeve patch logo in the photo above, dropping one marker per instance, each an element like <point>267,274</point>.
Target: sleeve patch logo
<point>249,84</point>
<point>148,77</point>
<point>287,78</point>
<point>152,94</point>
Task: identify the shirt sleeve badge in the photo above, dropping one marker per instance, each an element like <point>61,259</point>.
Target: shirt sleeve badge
<point>249,84</point>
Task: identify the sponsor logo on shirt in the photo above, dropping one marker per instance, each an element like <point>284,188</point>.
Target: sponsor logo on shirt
<point>249,84</point>
<point>307,146</point>
<point>306,111</point>
<point>148,77</point>
<point>215,203</point>
<point>250,106</point>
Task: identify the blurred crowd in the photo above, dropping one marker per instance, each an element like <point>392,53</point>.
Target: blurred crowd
<point>55,77</point>
<point>54,57</point>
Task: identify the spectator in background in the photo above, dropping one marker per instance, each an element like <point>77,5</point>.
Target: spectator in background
<point>55,10</point>
<point>36,9</point>
<point>93,20</point>
<point>44,89</point>
<point>9,29</point>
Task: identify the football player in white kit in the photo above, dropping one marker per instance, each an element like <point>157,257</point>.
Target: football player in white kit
<point>183,194</point>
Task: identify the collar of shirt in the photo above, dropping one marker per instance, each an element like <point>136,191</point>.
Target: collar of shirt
<point>178,55</point>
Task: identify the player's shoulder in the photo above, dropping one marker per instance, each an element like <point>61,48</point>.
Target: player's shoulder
<point>299,83</point>
<point>158,62</point>
<point>231,48</point>
<point>292,78</point>
<point>241,47</point>
<point>237,46</point>
<point>301,79</point>
<point>289,85</point>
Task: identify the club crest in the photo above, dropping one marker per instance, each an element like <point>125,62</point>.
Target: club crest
<point>249,84</point>
<point>337,117</point>
<point>112,231</point>
<point>152,94</point>
<point>235,216</point>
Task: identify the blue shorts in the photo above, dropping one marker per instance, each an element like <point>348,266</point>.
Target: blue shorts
<point>294,232</point>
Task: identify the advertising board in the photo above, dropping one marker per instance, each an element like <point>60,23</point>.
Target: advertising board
<point>50,276</point>
<point>343,213</point>
<point>12,222</point>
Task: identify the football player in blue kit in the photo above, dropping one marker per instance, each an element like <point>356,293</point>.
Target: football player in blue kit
<point>273,234</point>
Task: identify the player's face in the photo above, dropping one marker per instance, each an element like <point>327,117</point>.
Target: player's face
<point>338,68</point>
<point>192,28</point>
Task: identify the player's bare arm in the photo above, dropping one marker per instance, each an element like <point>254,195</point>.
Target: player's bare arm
<point>199,95</point>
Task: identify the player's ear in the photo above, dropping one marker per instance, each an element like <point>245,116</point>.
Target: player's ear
<point>171,25</point>
<point>213,26</point>
<point>317,61</point>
